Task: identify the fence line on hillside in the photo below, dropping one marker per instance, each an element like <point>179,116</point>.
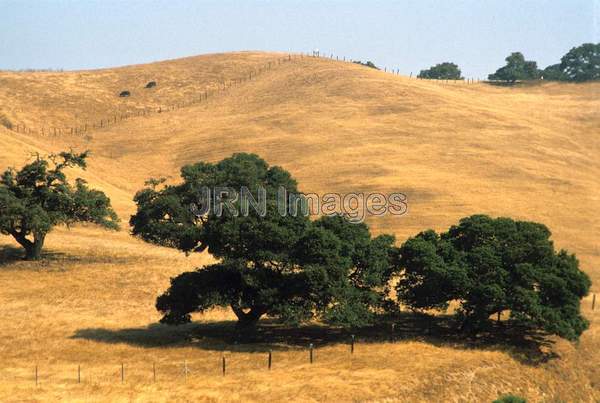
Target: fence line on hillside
<point>202,97</point>
<point>224,364</point>
<point>110,121</point>
<point>396,71</point>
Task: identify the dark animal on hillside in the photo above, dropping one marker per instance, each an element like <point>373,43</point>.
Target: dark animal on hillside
<point>125,94</point>
<point>151,84</point>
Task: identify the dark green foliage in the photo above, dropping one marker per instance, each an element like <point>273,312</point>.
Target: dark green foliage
<point>442,71</point>
<point>286,267</point>
<point>510,399</point>
<point>367,64</point>
<point>250,291</point>
<point>39,197</point>
<point>495,265</point>
<point>581,63</point>
<point>553,73</point>
<point>517,68</point>
<point>358,268</point>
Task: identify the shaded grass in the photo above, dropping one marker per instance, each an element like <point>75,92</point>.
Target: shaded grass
<point>54,259</point>
<point>525,345</point>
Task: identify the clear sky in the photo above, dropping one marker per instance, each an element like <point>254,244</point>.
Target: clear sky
<point>408,35</point>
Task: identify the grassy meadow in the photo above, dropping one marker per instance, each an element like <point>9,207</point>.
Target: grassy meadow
<point>455,149</point>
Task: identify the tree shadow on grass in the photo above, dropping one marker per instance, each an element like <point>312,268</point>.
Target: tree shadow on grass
<point>516,84</point>
<point>526,346</point>
<point>12,255</point>
<point>51,260</point>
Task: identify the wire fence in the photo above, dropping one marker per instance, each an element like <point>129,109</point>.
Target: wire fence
<point>211,364</point>
<point>202,97</point>
<point>396,71</point>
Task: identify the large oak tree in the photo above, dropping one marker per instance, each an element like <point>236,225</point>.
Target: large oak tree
<point>491,265</point>
<point>282,265</point>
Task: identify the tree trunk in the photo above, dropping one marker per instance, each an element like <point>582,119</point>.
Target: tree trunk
<point>476,322</point>
<point>33,249</point>
<point>247,321</point>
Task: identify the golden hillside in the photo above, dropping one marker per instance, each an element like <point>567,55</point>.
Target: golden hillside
<point>454,149</point>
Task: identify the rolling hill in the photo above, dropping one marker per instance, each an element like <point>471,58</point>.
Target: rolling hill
<point>455,149</point>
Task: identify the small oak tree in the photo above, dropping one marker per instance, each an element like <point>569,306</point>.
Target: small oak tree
<point>442,71</point>
<point>367,64</point>
<point>38,197</point>
<point>553,73</point>
<point>495,265</point>
<point>516,68</point>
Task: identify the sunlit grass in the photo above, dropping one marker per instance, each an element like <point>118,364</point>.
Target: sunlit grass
<point>456,149</point>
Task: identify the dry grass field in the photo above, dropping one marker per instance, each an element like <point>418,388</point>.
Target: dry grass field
<point>529,152</point>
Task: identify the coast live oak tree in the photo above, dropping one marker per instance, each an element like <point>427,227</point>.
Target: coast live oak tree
<point>442,71</point>
<point>553,73</point>
<point>38,197</point>
<point>581,63</point>
<point>284,266</point>
<point>516,68</point>
<point>495,265</point>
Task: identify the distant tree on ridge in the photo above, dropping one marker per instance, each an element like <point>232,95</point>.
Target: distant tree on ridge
<point>442,71</point>
<point>516,69</point>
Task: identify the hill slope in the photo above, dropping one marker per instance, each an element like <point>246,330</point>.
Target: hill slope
<point>453,149</point>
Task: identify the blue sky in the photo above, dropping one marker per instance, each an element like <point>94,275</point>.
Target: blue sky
<point>408,35</point>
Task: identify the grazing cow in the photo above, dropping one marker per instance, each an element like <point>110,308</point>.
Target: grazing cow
<point>151,84</point>
<point>125,94</point>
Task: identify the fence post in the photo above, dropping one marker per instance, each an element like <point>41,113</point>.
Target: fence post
<point>593,302</point>
<point>36,375</point>
<point>122,373</point>
<point>224,365</point>
<point>311,352</point>
<point>270,358</point>
<point>352,345</point>
<point>78,373</point>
